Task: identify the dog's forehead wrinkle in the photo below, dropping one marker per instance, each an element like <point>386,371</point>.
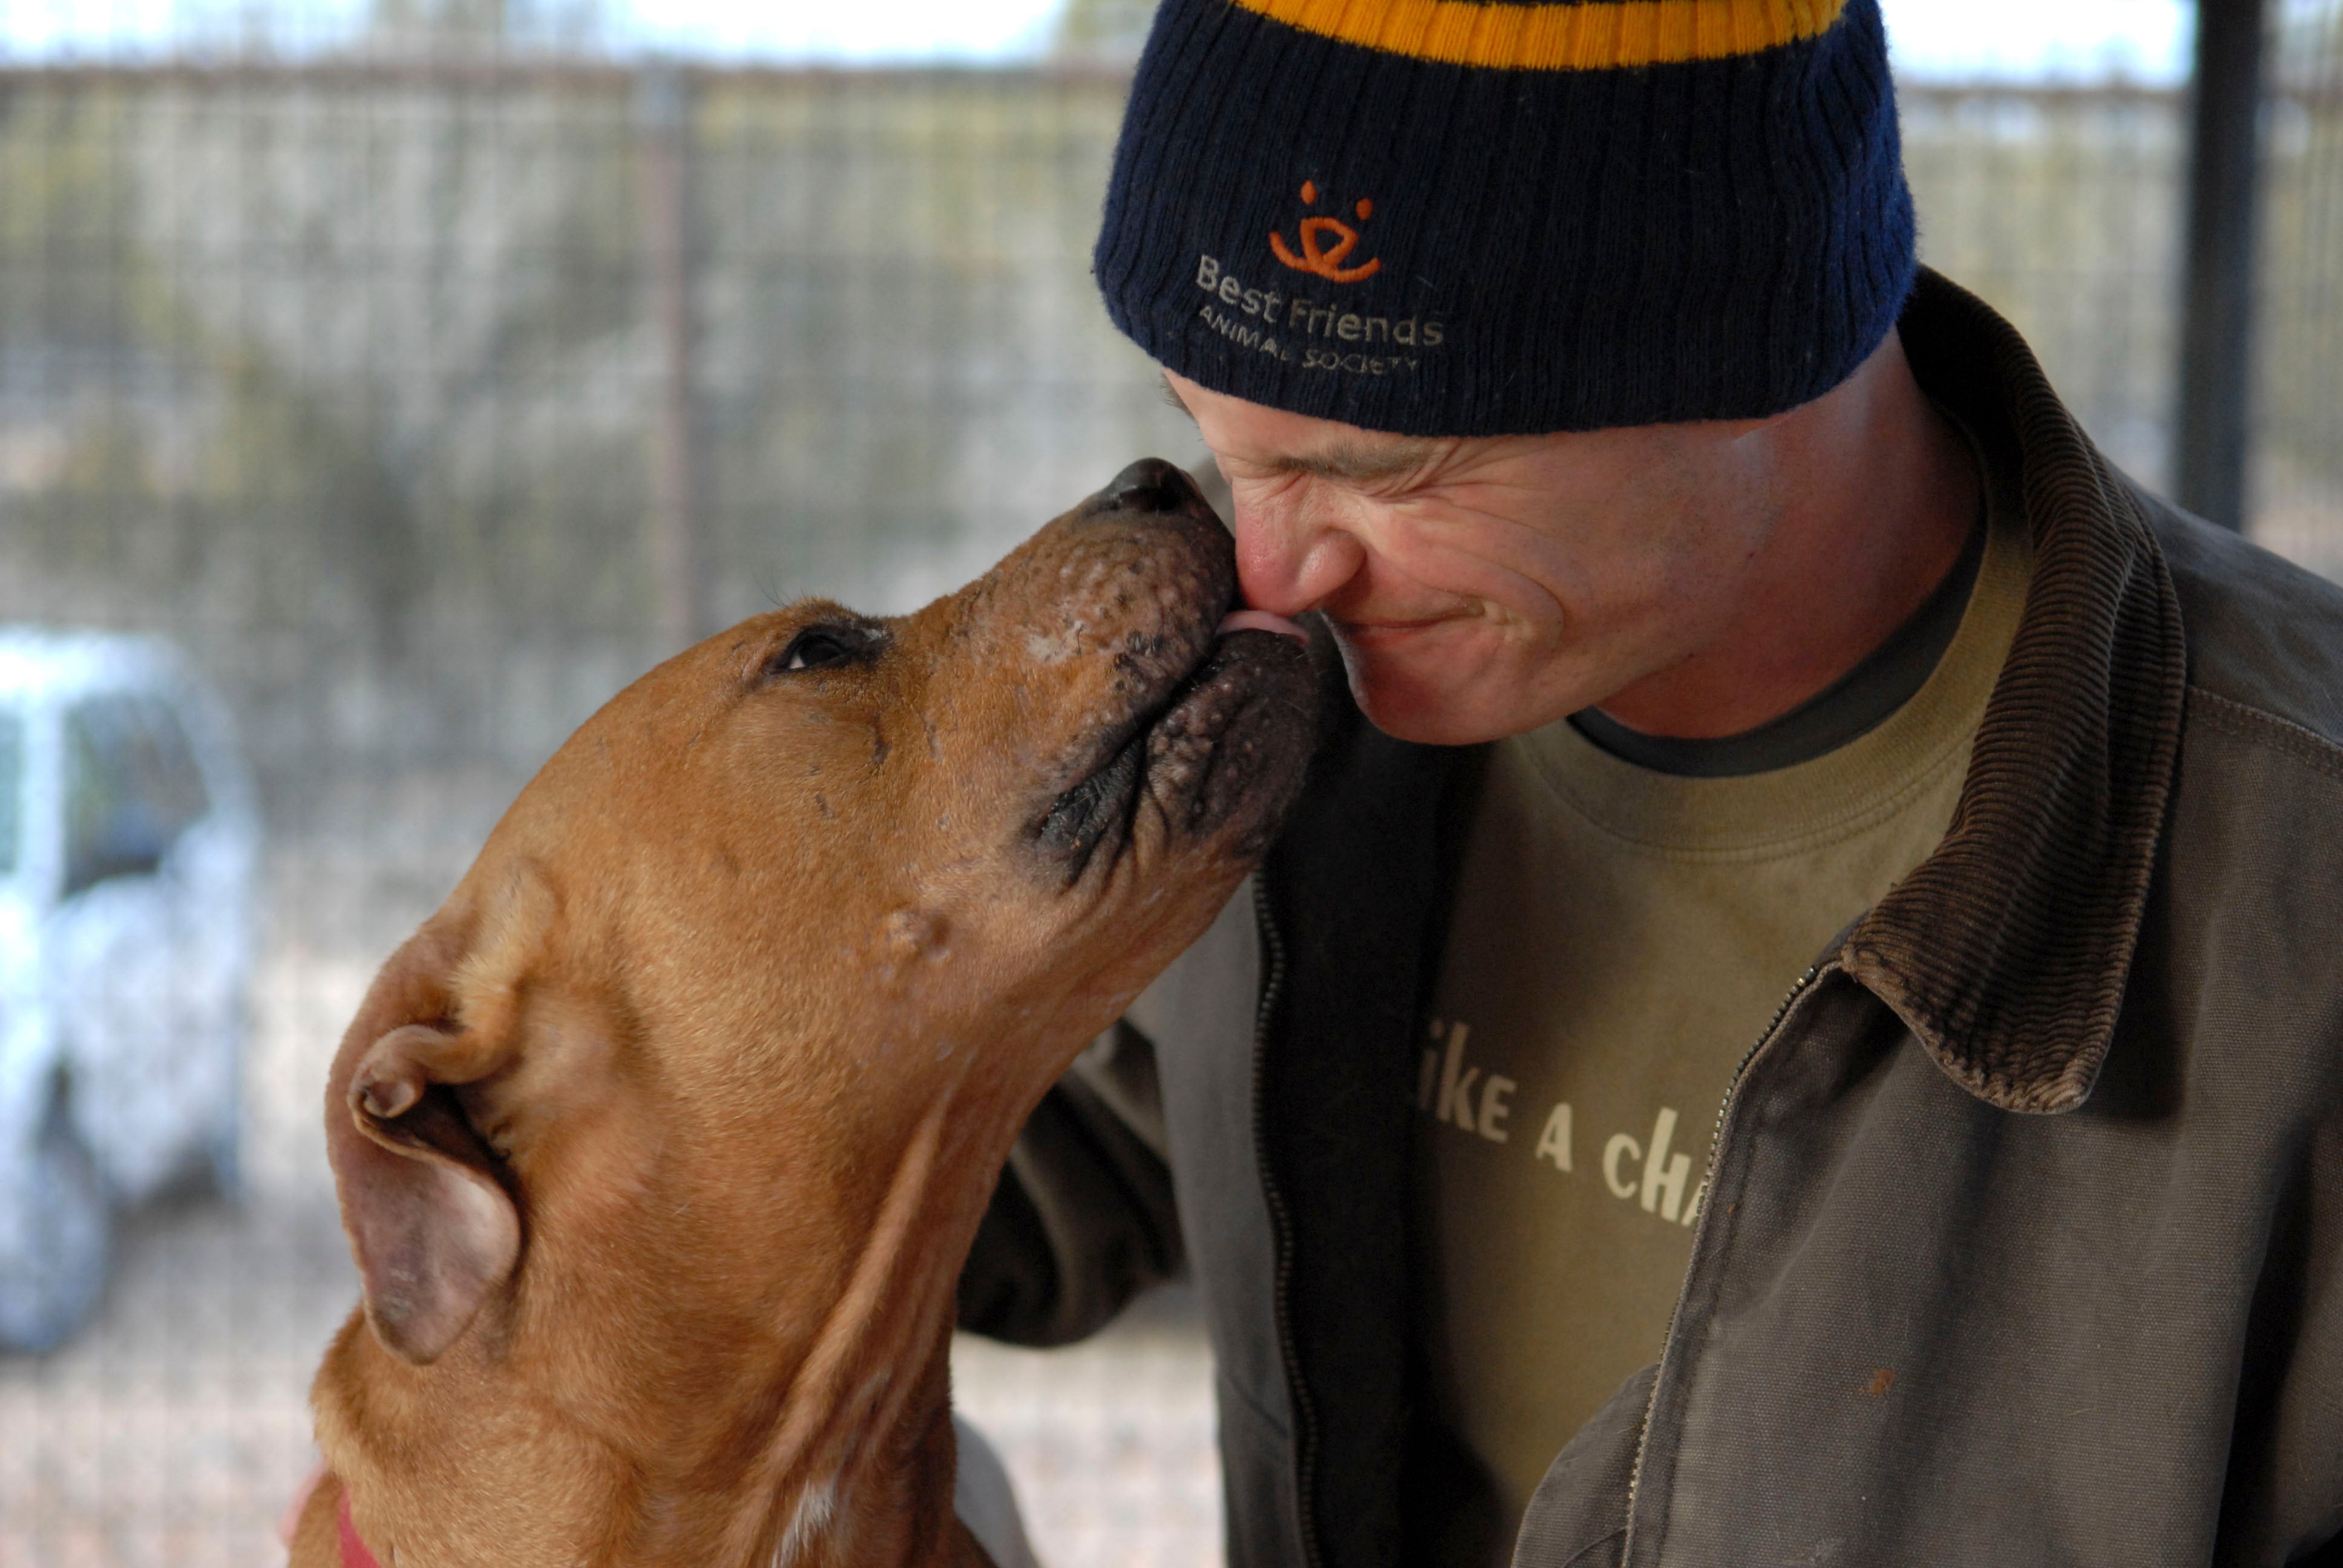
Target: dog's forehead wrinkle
<point>509,937</point>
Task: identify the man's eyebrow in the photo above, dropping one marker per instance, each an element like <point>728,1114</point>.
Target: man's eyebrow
<point>1173,397</point>
<point>1343,461</point>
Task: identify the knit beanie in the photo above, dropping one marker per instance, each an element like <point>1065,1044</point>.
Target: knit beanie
<point>1459,217</point>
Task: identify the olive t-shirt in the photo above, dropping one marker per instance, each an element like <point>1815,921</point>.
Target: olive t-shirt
<point>1620,938</point>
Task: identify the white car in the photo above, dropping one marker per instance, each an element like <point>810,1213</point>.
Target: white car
<point>128,847</point>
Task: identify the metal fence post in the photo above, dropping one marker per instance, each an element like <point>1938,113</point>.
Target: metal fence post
<point>2210,447</point>
<point>663,130</point>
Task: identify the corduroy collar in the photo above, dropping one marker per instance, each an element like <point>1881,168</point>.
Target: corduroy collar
<point>2007,951</point>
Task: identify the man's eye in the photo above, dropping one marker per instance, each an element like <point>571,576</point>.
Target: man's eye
<point>821,646</point>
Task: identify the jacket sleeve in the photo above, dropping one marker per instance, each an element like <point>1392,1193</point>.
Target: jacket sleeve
<point>1083,1220</point>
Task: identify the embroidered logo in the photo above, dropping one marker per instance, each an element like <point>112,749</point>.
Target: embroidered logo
<point>1256,317</point>
<point>1318,257</point>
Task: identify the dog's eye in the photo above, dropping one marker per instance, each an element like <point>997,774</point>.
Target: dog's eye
<point>821,647</point>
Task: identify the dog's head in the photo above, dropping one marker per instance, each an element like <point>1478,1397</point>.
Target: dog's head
<point>782,893</point>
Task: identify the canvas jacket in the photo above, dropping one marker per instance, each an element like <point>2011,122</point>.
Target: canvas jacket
<point>2024,1234</point>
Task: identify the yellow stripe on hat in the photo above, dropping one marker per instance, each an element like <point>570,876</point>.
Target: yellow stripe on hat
<point>1590,35</point>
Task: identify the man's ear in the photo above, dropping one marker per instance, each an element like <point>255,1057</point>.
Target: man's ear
<point>429,1206</point>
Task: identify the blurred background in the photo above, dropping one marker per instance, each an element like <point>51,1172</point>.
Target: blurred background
<point>383,383</point>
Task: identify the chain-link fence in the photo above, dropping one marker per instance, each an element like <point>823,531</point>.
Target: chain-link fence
<point>424,395</point>
<point>424,403</point>
<point>2297,492</point>
<point>2065,207</point>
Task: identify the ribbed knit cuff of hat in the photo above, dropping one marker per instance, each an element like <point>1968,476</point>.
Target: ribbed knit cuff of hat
<point>1450,217</point>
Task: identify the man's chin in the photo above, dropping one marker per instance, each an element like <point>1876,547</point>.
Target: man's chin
<point>1411,706</point>
<point>1443,684</point>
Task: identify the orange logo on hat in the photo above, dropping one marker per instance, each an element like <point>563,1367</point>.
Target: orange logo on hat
<point>1317,256</point>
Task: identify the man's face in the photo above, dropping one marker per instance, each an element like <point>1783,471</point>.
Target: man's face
<point>1480,587</point>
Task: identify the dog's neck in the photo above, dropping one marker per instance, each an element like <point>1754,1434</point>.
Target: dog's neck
<point>835,1448</point>
<point>864,1444</point>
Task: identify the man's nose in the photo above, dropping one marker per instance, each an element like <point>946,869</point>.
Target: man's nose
<point>1287,567</point>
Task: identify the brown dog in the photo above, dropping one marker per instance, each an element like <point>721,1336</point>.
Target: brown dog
<point>662,1144</point>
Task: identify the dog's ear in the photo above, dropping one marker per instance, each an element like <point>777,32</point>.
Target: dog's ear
<point>429,1206</point>
<point>423,1195</point>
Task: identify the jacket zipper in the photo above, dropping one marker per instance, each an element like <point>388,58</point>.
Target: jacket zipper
<point>1305,1418</point>
<point>1707,1210</point>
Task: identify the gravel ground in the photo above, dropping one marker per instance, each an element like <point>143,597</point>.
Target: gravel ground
<point>171,1431</point>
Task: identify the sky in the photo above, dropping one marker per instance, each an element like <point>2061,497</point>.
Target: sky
<point>2042,39</point>
<point>2052,40</point>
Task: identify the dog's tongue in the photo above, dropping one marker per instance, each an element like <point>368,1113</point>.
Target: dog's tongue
<point>1260,620</point>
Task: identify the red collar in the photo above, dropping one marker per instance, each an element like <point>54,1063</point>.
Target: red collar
<point>354,1550</point>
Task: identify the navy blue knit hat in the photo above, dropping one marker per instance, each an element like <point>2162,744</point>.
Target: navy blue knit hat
<point>1465,218</point>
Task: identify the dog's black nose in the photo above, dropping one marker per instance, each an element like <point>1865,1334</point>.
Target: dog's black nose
<point>1150,485</point>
